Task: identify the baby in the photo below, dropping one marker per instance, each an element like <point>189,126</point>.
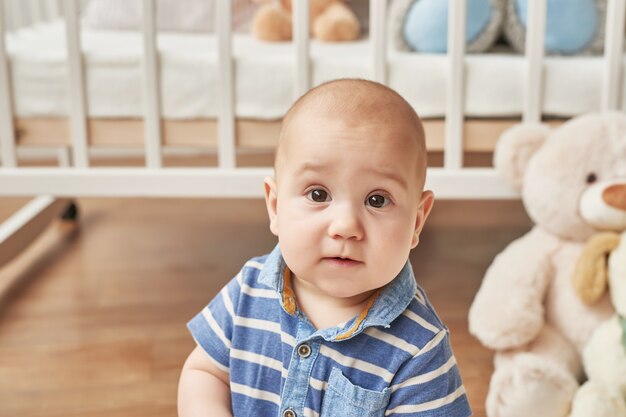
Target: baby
<point>331,322</point>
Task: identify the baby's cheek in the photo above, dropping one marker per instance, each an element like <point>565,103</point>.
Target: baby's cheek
<point>396,245</point>
<point>401,232</point>
<point>298,242</point>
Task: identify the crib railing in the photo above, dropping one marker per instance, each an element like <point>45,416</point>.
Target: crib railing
<point>453,180</point>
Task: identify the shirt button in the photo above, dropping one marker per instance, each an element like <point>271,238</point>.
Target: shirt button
<point>304,351</point>
<point>289,413</point>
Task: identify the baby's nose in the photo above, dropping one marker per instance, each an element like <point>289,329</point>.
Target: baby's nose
<point>346,224</point>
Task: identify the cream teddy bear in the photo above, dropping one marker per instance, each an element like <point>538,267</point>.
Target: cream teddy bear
<point>527,309</point>
<point>604,357</point>
<point>331,21</point>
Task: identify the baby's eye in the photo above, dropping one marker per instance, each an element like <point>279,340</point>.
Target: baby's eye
<point>377,201</point>
<point>318,195</point>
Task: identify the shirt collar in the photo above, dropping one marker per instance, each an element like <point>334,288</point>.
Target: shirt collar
<point>386,304</point>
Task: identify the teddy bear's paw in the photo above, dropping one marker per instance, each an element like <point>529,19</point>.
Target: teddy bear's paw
<point>272,23</point>
<point>530,385</point>
<point>336,24</point>
<point>598,400</point>
<point>501,326</point>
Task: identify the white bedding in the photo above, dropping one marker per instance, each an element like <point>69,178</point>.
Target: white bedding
<point>264,74</point>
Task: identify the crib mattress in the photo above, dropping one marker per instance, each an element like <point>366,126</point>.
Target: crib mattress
<point>264,75</point>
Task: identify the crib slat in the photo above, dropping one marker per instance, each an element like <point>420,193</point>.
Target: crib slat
<point>152,104</point>
<point>535,36</point>
<point>455,94</point>
<point>378,12</point>
<point>78,107</point>
<point>7,132</point>
<point>226,117</point>
<point>63,157</point>
<point>15,13</point>
<point>61,7</point>
<point>301,43</point>
<point>36,13</point>
<point>613,45</point>
<point>52,9</point>
<point>12,15</point>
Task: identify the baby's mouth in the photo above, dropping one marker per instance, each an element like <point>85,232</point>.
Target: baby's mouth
<point>341,261</point>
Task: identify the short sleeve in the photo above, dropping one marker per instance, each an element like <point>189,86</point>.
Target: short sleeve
<point>212,328</point>
<point>429,384</point>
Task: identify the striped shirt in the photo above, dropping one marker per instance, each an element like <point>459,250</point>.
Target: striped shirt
<point>394,359</point>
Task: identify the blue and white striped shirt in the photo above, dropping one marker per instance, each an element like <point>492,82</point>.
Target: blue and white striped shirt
<point>394,359</point>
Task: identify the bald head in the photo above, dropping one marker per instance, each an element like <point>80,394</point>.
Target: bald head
<point>355,103</point>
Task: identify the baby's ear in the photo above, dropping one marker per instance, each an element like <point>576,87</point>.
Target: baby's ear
<point>423,210</point>
<point>515,148</point>
<point>271,202</point>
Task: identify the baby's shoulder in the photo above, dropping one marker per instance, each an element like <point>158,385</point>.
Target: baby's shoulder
<point>259,272</point>
<point>419,320</point>
<point>251,270</point>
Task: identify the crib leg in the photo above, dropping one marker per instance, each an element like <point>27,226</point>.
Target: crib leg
<point>23,227</point>
<point>71,212</point>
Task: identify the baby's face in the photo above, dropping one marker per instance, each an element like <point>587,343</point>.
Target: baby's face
<point>349,204</point>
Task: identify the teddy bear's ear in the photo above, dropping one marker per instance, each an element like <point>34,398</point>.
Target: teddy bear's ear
<point>515,148</point>
<point>590,274</point>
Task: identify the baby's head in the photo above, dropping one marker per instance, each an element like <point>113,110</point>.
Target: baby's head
<point>355,104</point>
<point>347,201</point>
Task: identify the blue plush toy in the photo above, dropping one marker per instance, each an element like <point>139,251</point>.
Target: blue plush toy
<point>572,26</point>
<point>422,25</point>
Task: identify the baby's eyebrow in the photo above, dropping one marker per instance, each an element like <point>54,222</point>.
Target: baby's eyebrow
<point>315,167</point>
<point>393,176</point>
<point>311,167</point>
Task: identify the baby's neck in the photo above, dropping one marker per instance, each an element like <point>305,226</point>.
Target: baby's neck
<point>325,311</point>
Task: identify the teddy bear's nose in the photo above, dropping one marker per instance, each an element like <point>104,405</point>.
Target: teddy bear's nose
<point>615,196</point>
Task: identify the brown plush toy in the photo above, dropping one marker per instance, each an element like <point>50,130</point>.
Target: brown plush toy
<point>331,21</point>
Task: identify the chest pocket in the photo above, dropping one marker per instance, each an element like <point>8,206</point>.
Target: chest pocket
<point>343,398</point>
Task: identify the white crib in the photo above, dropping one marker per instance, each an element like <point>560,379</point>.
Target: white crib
<point>51,187</point>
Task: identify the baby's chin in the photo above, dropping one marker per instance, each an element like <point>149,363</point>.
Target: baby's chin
<point>350,296</point>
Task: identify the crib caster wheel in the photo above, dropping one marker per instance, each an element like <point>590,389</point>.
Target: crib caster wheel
<point>70,213</point>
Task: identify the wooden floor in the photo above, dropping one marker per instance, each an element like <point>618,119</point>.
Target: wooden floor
<point>95,322</point>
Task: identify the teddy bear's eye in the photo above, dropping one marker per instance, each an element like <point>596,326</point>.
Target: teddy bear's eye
<point>591,178</point>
